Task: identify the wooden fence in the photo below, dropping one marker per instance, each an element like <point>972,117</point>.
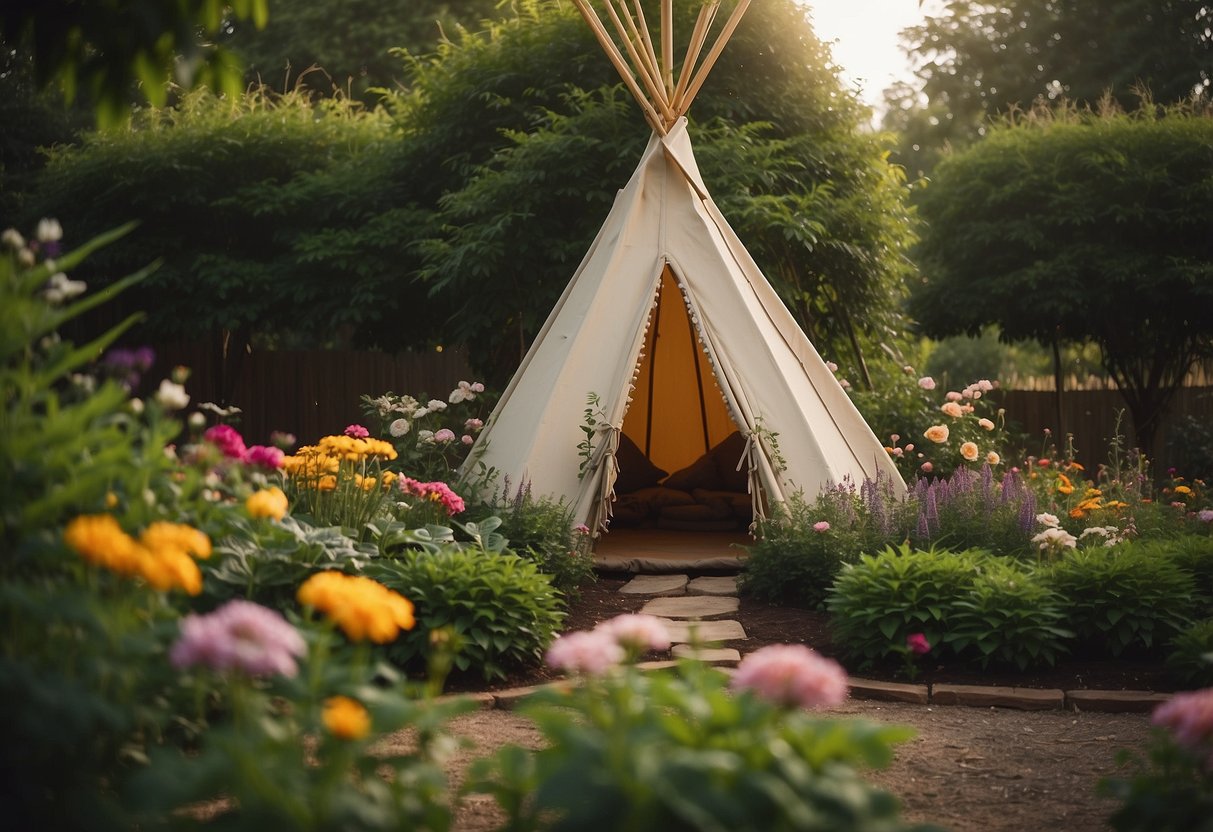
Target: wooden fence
<point>312,393</point>
<point>309,393</point>
<point>1090,415</point>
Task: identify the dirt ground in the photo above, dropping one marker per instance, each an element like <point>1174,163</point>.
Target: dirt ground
<point>968,768</point>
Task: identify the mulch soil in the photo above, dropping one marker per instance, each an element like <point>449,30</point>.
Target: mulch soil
<point>765,624</point>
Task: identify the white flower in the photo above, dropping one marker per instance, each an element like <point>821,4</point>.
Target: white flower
<point>1049,520</point>
<point>11,238</point>
<point>477,387</point>
<point>463,392</point>
<point>25,257</point>
<point>197,421</point>
<point>383,405</point>
<point>59,288</point>
<point>136,406</point>
<point>49,231</point>
<point>435,405</point>
<point>831,366</point>
<point>420,413</point>
<point>399,427</point>
<point>425,437</point>
<point>1054,538</point>
<point>844,384</point>
<point>171,396</point>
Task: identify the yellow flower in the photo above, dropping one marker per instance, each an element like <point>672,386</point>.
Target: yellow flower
<point>268,502</point>
<point>993,458</point>
<point>362,608</point>
<point>111,499</point>
<point>969,451</point>
<point>1077,512</point>
<point>164,535</point>
<point>937,433</point>
<point>101,541</point>
<point>327,483</point>
<point>1182,489</point>
<point>1064,486</point>
<point>345,718</point>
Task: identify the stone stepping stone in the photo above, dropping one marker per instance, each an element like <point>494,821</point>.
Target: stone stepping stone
<point>710,585</point>
<point>656,585</point>
<point>710,655</point>
<point>691,606</point>
<point>683,632</point>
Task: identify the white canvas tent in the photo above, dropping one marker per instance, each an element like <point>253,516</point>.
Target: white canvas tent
<point>669,323</point>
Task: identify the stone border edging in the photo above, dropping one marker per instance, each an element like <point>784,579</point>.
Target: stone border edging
<point>974,696</point>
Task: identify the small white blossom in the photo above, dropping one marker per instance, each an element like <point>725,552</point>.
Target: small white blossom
<point>136,406</point>
<point>1049,520</point>
<point>49,231</point>
<point>11,238</point>
<point>399,427</point>
<point>420,412</point>
<point>171,396</point>
<point>434,405</point>
<point>197,421</point>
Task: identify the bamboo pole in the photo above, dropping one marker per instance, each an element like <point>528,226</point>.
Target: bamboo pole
<point>657,96</point>
<point>667,42</point>
<point>612,53</point>
<point>703,24</point>
<point>650,64</point>
<point>702,74</point>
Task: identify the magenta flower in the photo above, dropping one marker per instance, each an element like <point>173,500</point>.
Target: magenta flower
<point>821,526</point>
<point>227,439</point>
<point>793,675</point>
<point>438,492</point>
<point>918,644</point>
<point>592,653</point>
<point>240,636</point>
<point>356,431</point>
<point>637,633</point>
<point>263,456</point>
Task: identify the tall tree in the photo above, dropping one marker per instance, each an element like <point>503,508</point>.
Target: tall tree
<point>104,48</point>
<point>1071,226</point>
<point>350,42</point>
<point>980,59</point>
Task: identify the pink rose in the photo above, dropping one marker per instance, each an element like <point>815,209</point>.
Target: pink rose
<point>263,456</point>
<point>927,467</point>
<point>467,440</point>
<point>639,633</point>
<point>444,435</point>
<point>592,653</point>
<point>918,644</point>
<point>821,526</point>
<point>227,439</point>
<point>926,383</point>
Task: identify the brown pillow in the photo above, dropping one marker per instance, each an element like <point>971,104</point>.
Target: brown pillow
<point>699,474</point>
<point>725,456</point>
<point>635,470</point>
<point>659,497</point>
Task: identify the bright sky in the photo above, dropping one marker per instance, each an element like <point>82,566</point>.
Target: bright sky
<point>863,36</point>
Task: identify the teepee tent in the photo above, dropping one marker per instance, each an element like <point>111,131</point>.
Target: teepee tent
<point>668,337</point>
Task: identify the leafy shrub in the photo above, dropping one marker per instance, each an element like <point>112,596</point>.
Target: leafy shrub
<point>501,610</point>
<point>648,751</point>
<point>541,530</point>
<point>1191,656</point>
<point>883,598</point>
<point>1009,617</point>
<point>801,548</point>
<point>1193,553</point>
<point>1123,598</point>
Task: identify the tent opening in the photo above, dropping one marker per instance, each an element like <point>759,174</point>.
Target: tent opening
<point>678,412</point>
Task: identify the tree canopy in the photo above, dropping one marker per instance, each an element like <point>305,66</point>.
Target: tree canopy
<point>104,47</point>
<point>351,41</point>
<point>980,59</point>
<point>1075,226</point>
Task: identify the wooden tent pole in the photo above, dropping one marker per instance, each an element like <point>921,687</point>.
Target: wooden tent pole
<point>667,42</point>
<point>612,53</point>
<point>657,95</point>
<point>703,24</point>
<point>717,48</point>
<point>651,67</point>
<point>648,45</point>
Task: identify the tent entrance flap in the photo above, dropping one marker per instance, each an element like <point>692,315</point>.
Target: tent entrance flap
<point>678,411</point>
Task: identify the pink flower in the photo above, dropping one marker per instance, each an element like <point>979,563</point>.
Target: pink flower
<point>356,431</point>
<point>953,396</point>
<point>437,492</point>
<point>240,636</point>
<point>985,385</point>
<point>473,425</point>
<point>282,440</point>
<point>637,633</point>
<point>592,653</point>
<point>263,456</point>
<point>1189,716</point>
<point>444,435</point>
<point>581,528</point>
<point>952,409</point>
<point>821,526</point>
<point>227,439</point>
<point>1205,515</point>
<point>926,383</point>
<point>792,674</point>
<point>831,366</point>
<point>918,644</point>
<point>464,392</point>
<point>985,424</point>
<point>467,440</point>
<point>476,387</point>
<point>927,467</point>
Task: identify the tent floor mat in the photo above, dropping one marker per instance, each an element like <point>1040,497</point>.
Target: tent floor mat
<point>651,551</point>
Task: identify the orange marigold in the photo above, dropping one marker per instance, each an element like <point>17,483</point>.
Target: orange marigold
<point>364,609</point>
